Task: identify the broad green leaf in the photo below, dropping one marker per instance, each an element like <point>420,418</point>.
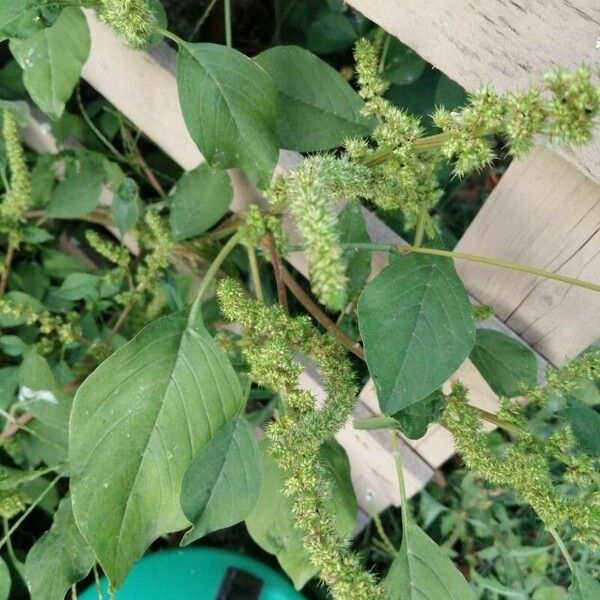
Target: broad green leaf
<point>23,18</point>
<point>229,105</point>
<point>16,298</point>
<point>77,195</point>
<point>584,586</point>
<point>352,229</point>
<point>504,363</point>
<point>415,419</point>
<point>421,571</point>
<point>40,394</point>
<point>147,410</point>
<point>79,286</point>
<point>12,345</point>
<point>449,94</point>
<point>5,582</point>
<point>200,199</point>
<point>52,60</point>
<point>403,65</point>
<point>271,523</point>
<point>222,484</point>
<point>125,207</point>
<point>330,32</point>
<point>9,382</point>
<point>417,327</point>
<point>60,265</point>
<point>318,109</point>
<point>59,559</point>
<point>585,424</point>
<point>20,110</point>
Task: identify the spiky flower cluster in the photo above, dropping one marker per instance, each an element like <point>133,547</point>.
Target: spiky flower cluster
<point>258,224</point>
<point>309,192</point>
<point>564,111</point>
<point>159,245</point>
<point>12,502</point>
<point>18,198</point>
<point>525,466</point>
<point>271,341</point>
<point>50,326</point>
<point>134,20</point>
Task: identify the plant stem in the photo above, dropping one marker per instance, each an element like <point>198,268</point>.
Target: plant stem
<point>97,582</point>
<point>203,18</point>
<point>387,544</point>
<point>271,248</point>
<point>379,422</point>
<point>228,36</point>
<point>211,273</point>
<point>495,262</point>
<point>168,34</point>
<point>95,130</point>
<point>400,473</point>
<point>255,273</point>
<point>8,259</point>
<point>150,176</point>
<point>315,310</point>
<point>504,264</point>
<point>30,508</point>
<point>430,142</point>
<point>420,231</point>
<point>563,549</point>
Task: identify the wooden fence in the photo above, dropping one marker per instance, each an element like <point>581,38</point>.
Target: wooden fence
<point>545,212</point>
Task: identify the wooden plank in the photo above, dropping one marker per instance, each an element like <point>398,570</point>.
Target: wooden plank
<point>546,214</point>
<point>506,43</point>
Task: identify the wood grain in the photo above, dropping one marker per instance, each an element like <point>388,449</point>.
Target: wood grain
<point>508,44</point>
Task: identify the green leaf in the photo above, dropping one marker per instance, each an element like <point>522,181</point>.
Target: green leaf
<point>352,229</point>
<point>18,299</point>
<point>41,395</point>
<point>318,109</point>
<point>403,65</point>
<point>61,265</point>
<point>504,363</point>
<point>5,582</point>
<point>150,408</point>
<point>23,18</point>
<point>200,199</point>
<point>449,94</point>
<point>12,345</point>
<point>125,207</point>
<point>229,105</point>
<point>585,424</point>
<point>9,382</point>
<point>77,195</point>
<point>584,586</point>
<point>222,484</point>
<point>415,419</point>
<point>59,559</point>
<point>79,286</point>
<point>417,327</point>
<point>52,60</point>
<point>271,523</point>
<point>330,32</point>
<point>422,571</point>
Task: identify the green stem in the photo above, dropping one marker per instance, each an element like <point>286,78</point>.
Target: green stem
<point>210,275</point>
<point>30,508</point>
<point>9,546</point>
<point>380,422</point>
<point>430,142</point>
<point>97,582</point>
<point>173,37</point>
<point>384,52</point>
<point>203,18</point>
<point>255,273</point>
<point>228,35</point>
<point>495,262</point>
<point>563,549</point>
<point>420,231</point>
<point>400,473</point>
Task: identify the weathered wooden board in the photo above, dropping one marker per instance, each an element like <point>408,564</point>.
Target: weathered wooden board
<point>506,43</point>
<point>545,213</point>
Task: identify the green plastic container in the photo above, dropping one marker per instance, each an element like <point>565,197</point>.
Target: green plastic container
<point>200,574</point>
